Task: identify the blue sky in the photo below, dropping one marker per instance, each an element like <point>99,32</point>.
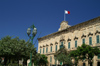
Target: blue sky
<point>17,15</point>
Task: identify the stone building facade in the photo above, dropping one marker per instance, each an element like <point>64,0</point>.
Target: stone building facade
<point>71,37</point>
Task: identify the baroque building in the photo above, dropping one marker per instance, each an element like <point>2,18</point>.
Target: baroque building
<point>71,37</point>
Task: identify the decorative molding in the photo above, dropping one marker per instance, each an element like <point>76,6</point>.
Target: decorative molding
<point>43,45</point>
<point>56,42</point>
<point>51,44</point>
<point>90,34</point>
<point>47,45</point>
<point>69,39</point>
<point>62,40</point>
<point>75,38</point>
<point>83,36</point>
<point>97,32</point>
<point>40,46</point>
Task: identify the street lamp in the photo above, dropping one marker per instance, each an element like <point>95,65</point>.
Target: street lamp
<point>31,37</point>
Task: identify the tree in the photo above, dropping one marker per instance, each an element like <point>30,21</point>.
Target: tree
<point>15,49</point>
<point>62,55</point>
<point>40,60</point>
<point>84,52</point>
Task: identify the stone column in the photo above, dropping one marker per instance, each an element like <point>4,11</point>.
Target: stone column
<point>86,62</point>
<point>95,61</point>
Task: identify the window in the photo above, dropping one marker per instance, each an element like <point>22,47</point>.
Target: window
<point>56,48</point>
<point>51,48</point>
<point>90,40</point>
<point>60,63</point>
<point>83,41</point>
<point>98,56</point>
<point>75,43</point>
<point>68,45</point>
<point>55,61</point>
<point>40,51</point>
<point>50,59</point>
<point>97,38</point>
<point>61,44</point>
<point>46,49</point>
<point>43,50</point>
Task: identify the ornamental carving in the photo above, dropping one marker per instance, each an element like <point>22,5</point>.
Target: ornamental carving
<point>83,36</point>
<point>75,38</point>
<point>69,39</point>
<point>90,34</point>
<point>56,42</point>
<point>97,32</point>
<point>40,46</point>
<point>47,45</point>
<point>51,44</point>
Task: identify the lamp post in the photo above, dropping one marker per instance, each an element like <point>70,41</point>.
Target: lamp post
<point>34,31</point>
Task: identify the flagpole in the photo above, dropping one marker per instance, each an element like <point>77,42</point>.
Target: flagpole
<point>64,15</point>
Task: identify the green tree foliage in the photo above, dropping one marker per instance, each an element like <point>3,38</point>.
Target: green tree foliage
<point>15,49</point>
<point>84,52</point>
<point>40,60</point>
<point>62,55</point>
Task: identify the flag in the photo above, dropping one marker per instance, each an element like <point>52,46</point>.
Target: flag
<point>67,12</point>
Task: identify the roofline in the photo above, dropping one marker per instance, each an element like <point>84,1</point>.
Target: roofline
<point>70,27</point>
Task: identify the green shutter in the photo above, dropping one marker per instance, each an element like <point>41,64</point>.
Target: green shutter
<point>90,40</point>
<point>98,56</point>
<point>68,45</point>
<point>97,38</point>
<point>51,48</point>
<point>55,61</point>
<point>61,43</point>
<point>46,49</point>
<point>60,63</point>
<point>40,51</point>
<point>61,46</point>
<point>56,48</point>
<point>50,59</point>
<point>43,50</point>
<point>75,43</point>
<point>83,41</point>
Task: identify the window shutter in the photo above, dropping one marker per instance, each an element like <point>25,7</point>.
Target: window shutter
<point>83,41</point>
<point>75,43</point>
<point>98,56</point>
<point>43,50</point>
<point>51,48</point>
<point>56,48</point>
<point>68,45</point>
<point>90,40</point>
<point>61,45</point>
<point>46,49</point>
<point>50,59</point>
<point>97,38</point>
<point>40,51</point>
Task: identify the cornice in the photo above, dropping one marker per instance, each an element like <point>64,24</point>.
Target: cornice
<point>70,28</point>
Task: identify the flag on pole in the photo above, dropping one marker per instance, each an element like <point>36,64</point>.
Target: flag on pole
<point>67,12</point>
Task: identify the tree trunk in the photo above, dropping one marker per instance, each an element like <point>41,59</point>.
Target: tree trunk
<point>18,61</point>
<point>5,61</point>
